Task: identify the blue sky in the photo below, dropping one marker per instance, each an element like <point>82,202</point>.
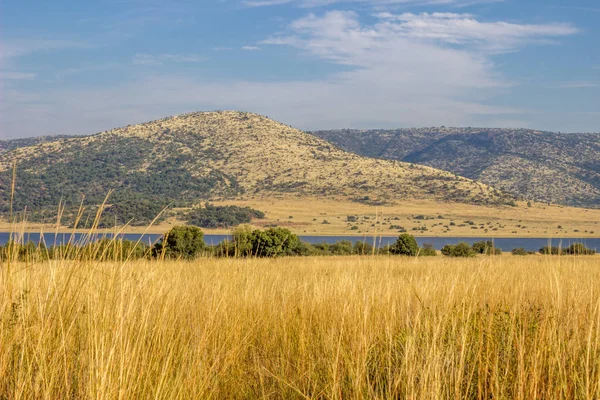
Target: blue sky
<point>80,67</point>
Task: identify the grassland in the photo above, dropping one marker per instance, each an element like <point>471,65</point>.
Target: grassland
<point>308,214</point>
<point>352,328</point>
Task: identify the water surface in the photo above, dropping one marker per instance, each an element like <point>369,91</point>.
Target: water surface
<point>506,244</point>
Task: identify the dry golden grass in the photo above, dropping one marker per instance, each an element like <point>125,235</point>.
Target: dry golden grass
<point>308,214</point>
<point>351,328</point>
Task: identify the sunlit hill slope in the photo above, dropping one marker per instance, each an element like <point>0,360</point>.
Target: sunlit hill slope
<point>191,158</point>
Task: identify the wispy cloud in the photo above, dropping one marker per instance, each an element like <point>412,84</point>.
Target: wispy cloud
<point>158,59</point>
<point>329,35</point>
<point>465,29</point>
<point>401,70</point>
<point>250,48</point>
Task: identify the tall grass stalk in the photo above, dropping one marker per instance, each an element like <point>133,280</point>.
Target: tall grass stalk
<point>331,327</point>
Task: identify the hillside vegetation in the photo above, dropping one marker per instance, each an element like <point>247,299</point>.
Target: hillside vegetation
<point>7,145</point>
<point>541,166</point>
<point>192,158</point>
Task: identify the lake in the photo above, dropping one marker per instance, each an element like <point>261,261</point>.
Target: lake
<point>506,244</point>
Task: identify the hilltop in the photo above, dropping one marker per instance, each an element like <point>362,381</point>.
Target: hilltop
<point>187,159</point>
<point>533,165</point>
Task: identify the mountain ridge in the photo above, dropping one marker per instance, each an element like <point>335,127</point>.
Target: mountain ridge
<point>562,168</point>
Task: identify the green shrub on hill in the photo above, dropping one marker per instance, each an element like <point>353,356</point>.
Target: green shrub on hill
<point>211,216</point>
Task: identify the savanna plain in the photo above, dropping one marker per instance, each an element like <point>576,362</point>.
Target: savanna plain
<point>355,327</point>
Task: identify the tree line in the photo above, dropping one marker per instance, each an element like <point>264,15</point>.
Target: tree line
<point>187,242</point>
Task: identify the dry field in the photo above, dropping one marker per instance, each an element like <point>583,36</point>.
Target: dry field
<point>335,328</point>
<point>308,215</point>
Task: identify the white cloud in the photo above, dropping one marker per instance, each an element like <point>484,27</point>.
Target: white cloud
<point>150,59</point>
<point>250,48</point>
<point>464,29</point>
<point>403,70</point>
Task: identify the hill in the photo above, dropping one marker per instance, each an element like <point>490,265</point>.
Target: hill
<point>192,158</point>
<point>8,145</point>
<point>533,165</point>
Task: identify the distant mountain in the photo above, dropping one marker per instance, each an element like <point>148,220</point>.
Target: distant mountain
<point>191,158</point>
<point>542,166</point>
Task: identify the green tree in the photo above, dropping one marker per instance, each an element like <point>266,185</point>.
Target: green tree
<point>550,250</point>
<point>274,242</point>
<point>211,216</point>
<point>406,245</point>
<point>461,249</point>
<point>486,247</point>
<point>341,248</point>
<point>363,248</point>
<point>185,242</point>
<point>242,241</point>
<point>579,249</point>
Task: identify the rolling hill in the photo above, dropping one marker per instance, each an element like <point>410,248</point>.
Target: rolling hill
<point>192,158</point>
<point>533,165</point>
<point>8,145</point>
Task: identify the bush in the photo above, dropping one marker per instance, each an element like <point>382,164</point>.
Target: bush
<point>226,248</point>
<point>274,242</point>
<point>114,249</point>
<point>406,245</point>
<point>579,249</point>
<point>428,250</point>
<point>486,247</point>
<point>363,248</point>
<point>574,249</point>
<point>180,242</point>
<point>341,248</point>
<point>103,249</point>
<point>550,250</point>
<point>305,249</point>
<point>29,251</point>
<point>242,241</point>
<point>520,252</point>
<point>461,249</point>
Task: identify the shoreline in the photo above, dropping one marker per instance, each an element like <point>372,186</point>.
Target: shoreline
<point>208,232</point>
